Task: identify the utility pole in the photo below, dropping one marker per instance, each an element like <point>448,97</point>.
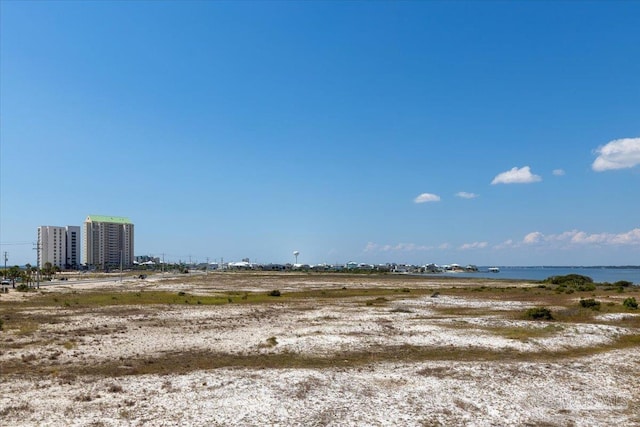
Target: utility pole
<point>6,258</point>
<point>38,248</point>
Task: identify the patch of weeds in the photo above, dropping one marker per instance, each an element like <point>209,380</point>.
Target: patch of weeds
<point>272,341</point>
<point>274,293</point>
<point>55,355</point>
<point>377,301</point>
<point>630,303</point>
<point>19,409</point>
<point>27,328</point>
<point>303,388</point>
<point>525,333</point>
<point>84,397</point>
<point>29,357</point>
<point>181,294</point>
<point>438,372</point>
<point>590,303</point>
<point>70,345</point>
<point>539,313</point>
<point>114,388</point>
<point>66,378</point>
<point>168,386</point>
<point>401,310</point>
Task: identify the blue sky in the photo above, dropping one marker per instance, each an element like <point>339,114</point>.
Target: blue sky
<point>502,133</point>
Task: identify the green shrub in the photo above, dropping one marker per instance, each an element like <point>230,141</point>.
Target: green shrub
<point>272,341</point>
<point>539,313</point>
<point>572,280</point>
<point>590,303</point>
<point>274,293</point>
<point>628,302</point>
<point>623,283</point>
<point>22,287</point>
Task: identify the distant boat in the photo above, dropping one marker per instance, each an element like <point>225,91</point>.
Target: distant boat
<point>494,270</point>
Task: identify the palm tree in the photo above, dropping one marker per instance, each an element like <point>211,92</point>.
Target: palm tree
<point>13,273</point>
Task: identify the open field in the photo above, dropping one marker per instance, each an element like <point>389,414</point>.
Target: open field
<point>332,349</point>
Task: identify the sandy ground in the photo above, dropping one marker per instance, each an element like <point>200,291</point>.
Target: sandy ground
<point>601,389</point>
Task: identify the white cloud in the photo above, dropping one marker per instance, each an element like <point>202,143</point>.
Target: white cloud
<point>474,245</point>
<point>516,176</point>
<point>558,172</point>
<point>533,238</point>
<point>371,247</point>
<point>465,195</point>
<point>399,247</point>
<point>575,237</point>
<point>507,244</point>
<point>427,197</point>
<point>618,154</point>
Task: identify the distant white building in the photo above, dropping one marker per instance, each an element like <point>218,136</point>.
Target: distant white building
<point>107,241</point>
<point>59,245</point>
<point>73,246</point>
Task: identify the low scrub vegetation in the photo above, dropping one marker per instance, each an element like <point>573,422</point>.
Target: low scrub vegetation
<point>539,313</point>
<point>628,302</point>
<point>590,303</point>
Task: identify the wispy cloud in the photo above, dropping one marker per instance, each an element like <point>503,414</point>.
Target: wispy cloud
<point>516,176</point>
<point>506,244</point>
<point>618,154</point>
<point>465,195</point>
<point>558,172</point>
<point>474,245</point>
<point>427,197</point>
<point>575,237</point>
<point>398,247</point>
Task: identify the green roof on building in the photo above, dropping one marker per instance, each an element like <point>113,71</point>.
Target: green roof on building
<point>111,219</point>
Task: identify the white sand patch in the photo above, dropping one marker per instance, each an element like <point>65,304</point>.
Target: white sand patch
<point>616,316</point>
<point>412,394</point>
